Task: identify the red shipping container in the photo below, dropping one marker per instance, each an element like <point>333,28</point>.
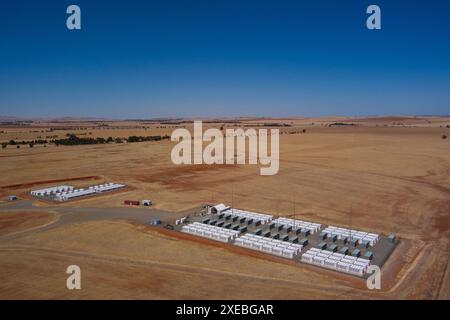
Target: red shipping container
<point>131,202</point>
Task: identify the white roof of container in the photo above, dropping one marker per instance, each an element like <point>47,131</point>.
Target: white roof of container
<point>51,188</point>
<point>221,207</point>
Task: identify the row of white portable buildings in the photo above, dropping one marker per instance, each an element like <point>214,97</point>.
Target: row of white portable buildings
<point>51,191</point>
<point>249,215</point>
<point>268,245</point>
<point>75,193</point>
<point>211,232</point>
<point>361,236</point>
<point>71,193</point>
<point>111,186</point>
<point>298,224</point>
<point>336,261</point>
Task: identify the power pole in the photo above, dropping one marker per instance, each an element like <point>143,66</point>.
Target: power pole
<point>293,203</point>
<point>278,203</point>
<point>232,199</point>
<point>350,223</point>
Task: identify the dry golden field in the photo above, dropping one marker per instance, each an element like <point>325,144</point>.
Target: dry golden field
<point>393,173</point>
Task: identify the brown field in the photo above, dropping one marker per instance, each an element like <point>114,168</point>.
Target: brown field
<point>393,173</point>
<point>13,222</point>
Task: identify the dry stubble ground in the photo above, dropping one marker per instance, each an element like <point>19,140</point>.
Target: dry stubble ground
<point>392,179</point>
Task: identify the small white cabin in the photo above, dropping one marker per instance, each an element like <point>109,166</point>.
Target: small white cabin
<point>147,203</point>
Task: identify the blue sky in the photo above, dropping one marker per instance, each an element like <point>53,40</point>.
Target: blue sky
<point>144,59</point>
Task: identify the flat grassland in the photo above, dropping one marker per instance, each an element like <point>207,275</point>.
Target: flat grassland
<point>393,174</point>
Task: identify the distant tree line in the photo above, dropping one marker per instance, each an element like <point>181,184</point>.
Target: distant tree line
<point>73,140</point>
<point>147,138</point>
<point>274,124</point>
<point>23,142</point>
<point>265,124</point>
<point>341,124</point>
